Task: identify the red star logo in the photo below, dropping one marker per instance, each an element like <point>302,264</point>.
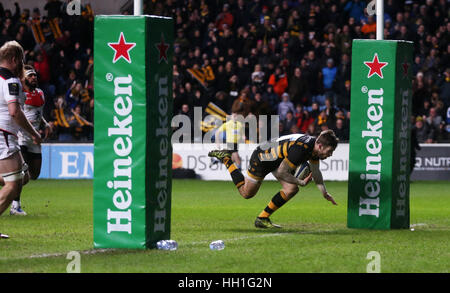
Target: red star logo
<point>162,48</point>
<point>405,66</point>
<point>375,66</point>
<point>122,49</point>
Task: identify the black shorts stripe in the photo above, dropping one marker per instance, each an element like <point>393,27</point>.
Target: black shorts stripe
<point>5,135</point>
<point>29,155</point>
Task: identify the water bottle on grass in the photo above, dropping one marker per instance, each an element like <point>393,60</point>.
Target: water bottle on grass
<point>167,245</point>
<point>217,245</point>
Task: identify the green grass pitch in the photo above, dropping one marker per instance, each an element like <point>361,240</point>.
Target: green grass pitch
<point>314,237</point>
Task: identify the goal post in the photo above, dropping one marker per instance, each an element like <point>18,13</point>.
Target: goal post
<point>380,129</point>
<point>132,149</point>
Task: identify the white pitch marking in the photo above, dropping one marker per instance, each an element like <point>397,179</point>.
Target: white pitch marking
<point>418,225</point>
<point>97,251</point>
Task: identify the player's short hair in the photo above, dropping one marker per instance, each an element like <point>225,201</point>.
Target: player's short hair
<point>11,49</point>
<point>328,138</point>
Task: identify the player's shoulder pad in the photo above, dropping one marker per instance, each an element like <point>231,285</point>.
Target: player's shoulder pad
<point>306,141</point>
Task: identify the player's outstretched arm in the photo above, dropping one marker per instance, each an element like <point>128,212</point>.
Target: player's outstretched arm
<point>318,179</point>
<point>284,172</point>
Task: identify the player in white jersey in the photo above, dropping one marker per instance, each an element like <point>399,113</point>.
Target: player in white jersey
<point>11,119</point>
<point>33,109</point>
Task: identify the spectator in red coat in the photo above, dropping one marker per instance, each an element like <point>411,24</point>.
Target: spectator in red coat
<point>279,81</point>
<point>42,66</point>
<point>224,18</point>
<point>304,119</point>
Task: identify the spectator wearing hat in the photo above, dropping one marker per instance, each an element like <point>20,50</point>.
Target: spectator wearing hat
<point>285,106</point>
<point>425,133</point>
<point>268,30</point>
<point>181,40</point>
<point>258,76</point>
<point>298,46</point>
<point>225,18</point>
<point>329,76</point>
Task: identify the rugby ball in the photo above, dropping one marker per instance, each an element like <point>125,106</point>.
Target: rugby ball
<point>302,171</point>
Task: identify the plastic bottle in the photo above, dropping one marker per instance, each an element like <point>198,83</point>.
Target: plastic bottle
<point>217,245</point>
<point>167,245</point>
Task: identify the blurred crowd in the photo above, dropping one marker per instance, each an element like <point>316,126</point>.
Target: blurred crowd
<point>59,47</point>
<point>291,58</point>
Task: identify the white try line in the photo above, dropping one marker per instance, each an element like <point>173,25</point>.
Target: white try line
<point>418,225</point>
<point>91,251</point>
<point>242,238</point>
<point>195,243</point>
<point>108,250</point>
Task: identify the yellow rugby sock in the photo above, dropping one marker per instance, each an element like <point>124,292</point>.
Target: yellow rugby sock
<point>278,200</point>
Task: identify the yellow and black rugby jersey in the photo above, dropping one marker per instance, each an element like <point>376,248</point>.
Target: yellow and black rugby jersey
<point>295,148</point>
